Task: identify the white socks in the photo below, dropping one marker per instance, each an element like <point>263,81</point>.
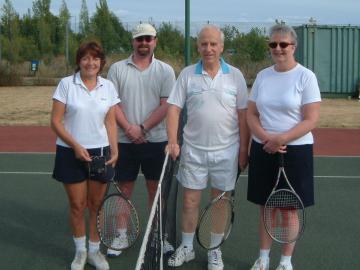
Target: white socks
<point>122,232</point>
<point>215,239</point>
<point>187,240</point>
<point>80,243</point>
<point>285,259</point>
<point>94,246</point>
<point>264,254</point>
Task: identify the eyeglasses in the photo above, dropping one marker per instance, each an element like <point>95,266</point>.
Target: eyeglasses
<point>282,44</point>
<point>146,38</point>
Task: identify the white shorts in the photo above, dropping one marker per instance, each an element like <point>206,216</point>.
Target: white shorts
<point>199,166</point>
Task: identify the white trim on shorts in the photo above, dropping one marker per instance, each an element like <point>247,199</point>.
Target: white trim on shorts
<point>198,166</point>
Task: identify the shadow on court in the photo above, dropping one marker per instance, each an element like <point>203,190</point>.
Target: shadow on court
<point>34,231</point>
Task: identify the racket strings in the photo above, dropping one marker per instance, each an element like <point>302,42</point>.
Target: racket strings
<point>284,216</point>
<point>118,218</point>
<point>215,224</point>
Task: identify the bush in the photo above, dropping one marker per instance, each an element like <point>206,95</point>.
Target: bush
<point>9,75</point>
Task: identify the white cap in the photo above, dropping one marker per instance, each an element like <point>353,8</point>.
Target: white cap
<point>144,29</point>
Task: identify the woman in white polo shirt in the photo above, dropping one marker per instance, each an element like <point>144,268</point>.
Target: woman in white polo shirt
<point>83,118</point>
<point>283,108</point>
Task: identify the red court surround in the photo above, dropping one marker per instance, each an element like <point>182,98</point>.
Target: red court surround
<point>328,141</point>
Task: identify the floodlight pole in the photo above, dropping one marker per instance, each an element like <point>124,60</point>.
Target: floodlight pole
<point>0,45</point>
<point>187,33</point>
<point>67,47</point>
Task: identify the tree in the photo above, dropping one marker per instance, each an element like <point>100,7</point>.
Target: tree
<point>11,32</point>
<point>170,40</point>
<point>64,28</point>
<point>41,8</point>
<point>47,28</point>
<point>84,24</point>
<point>255,45</point>
<point>108,29</point>
<point>247,51</point>
<point>230,34</point>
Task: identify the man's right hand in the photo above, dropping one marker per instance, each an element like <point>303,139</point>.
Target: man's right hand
<point>135,134</point>
<point>173,149</point>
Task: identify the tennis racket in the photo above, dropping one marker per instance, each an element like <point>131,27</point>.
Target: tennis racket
<point>284,212</point>
<point>216,220</point>
<point>117,221</point>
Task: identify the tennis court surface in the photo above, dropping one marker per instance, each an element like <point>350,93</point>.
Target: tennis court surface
<point>34,231</point>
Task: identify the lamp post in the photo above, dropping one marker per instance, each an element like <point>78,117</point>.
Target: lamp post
<point>187,33</point>
<point>0,46</point>
<point>67,47</point>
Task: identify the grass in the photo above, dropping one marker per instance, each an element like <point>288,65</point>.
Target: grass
<point>31,106</point>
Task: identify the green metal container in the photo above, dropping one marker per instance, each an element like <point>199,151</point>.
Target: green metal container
<point>333,53</point>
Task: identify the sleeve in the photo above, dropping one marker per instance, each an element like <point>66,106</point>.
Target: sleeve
<point>112,76</point>
<point>242,92</point>
<point>178,93</point>
<point>254,90</point>
<point>311,91</point>
<point>61,92</point>
<point>114,96</point>
<point>168,82</point>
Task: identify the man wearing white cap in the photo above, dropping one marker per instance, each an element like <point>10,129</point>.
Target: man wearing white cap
<point>144,84</point>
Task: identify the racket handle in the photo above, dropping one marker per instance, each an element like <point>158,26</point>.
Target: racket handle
<point>238,172</point>
<point>281,160</point>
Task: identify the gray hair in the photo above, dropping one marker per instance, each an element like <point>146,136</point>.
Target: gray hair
<point>284,30</point>
<point>212,27</point>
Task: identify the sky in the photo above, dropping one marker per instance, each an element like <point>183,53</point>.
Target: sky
<point>254,12</point>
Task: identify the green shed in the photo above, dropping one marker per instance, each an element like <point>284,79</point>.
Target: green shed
<point>333,53</point>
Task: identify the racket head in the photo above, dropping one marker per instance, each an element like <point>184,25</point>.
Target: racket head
<point>116,212</point>
<point>284,216</point>
<point>215,223</point>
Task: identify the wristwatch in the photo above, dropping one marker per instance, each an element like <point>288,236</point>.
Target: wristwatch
<point>143,129</point>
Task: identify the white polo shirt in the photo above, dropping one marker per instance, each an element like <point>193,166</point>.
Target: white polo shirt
<point>280,96</point>
<point>140,92</point>
<point>212,105</point>
<point>86,110</point>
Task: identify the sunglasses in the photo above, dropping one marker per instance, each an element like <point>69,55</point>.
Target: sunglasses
<point>146,38</point>
<point>282,45</point>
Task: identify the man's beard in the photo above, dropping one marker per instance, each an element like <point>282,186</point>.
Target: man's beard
<point>143,50</point>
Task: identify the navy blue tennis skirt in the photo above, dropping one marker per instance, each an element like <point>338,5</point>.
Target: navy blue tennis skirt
<point>264,167</point>
<point>68,169</point>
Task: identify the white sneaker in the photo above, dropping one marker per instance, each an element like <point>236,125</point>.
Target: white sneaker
<point>79,260</point>
<point>97,259</point>
<point>119,242</point>
<point>287,266</point>
<point>215,261</point>
<point>167,247</point>
<point>181,255</point>
<point>261,264</point>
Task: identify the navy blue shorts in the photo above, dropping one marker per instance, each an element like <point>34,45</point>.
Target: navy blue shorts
<point>149,157</point>
<point>68,169</point>
<point>264,167</point>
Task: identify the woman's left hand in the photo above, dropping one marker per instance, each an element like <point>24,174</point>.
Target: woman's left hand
<point>112,160</point>
<point>274,144</point>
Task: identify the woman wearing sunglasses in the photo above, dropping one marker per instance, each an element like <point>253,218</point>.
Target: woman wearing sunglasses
<point>283,108</point>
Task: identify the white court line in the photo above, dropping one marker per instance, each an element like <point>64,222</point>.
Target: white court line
<point>37,173</point>
<point>321,156</point>
<point>242,175</point>
<point>41,173</point>
<point>26,153</point>
<point>53,153</point>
